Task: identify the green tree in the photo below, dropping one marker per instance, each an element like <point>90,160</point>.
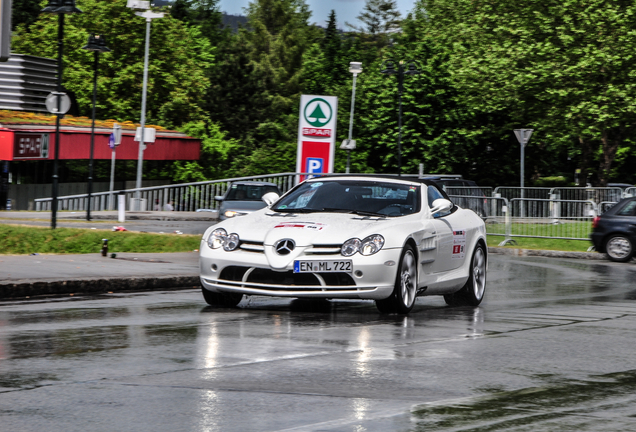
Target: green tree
<point>256,83</point>
<point>564,68</point>
<point>178,58</point>
<point>25,12</point>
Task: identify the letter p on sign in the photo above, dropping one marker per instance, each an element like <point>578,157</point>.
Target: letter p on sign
<point>315,165</point>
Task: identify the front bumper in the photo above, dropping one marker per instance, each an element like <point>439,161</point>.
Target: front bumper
<point>373,277</point>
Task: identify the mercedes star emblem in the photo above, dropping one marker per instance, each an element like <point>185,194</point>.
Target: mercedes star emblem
<point>284,247</point>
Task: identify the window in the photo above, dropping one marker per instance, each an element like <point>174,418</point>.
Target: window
<point>628,209</point>
<point>353,196</point>
<point>244,192</point>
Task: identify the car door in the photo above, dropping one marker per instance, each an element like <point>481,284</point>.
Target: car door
<point>450,238</point>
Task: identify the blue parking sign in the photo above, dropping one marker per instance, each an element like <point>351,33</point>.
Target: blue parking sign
<point>315,165</point>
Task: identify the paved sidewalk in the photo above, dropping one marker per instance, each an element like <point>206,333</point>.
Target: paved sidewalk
<point>33,275</point>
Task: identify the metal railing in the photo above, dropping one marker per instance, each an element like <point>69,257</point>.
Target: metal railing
<point>598,195</point>
<point>630,192</point>
<point>493,210</point>
<point>469,190</point>
<point>510,192</point>
<point>537,218</point>
<point>185,196</point>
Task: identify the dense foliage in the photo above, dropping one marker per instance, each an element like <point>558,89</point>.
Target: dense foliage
<point>563,68</point>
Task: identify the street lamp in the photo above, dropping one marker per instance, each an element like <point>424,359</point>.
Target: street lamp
<point>61,8</point>
<point>355,68</point>
<point>97,44</point>
<point>390,69</point>
<point>149,15</point>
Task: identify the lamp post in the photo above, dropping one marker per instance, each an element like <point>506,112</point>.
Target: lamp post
<point>355,68</point>
<point>97,44</point>
<point>61,8</point>
<point>149,15</point>
<point>390,69</point>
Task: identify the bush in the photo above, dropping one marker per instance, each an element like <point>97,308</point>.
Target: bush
<point>554,181</point>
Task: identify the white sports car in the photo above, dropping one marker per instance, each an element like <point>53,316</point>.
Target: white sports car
<point>384,238</point>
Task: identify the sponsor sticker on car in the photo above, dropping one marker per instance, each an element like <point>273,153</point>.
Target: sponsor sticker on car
<point>459,244</point>
<point>303,225</point>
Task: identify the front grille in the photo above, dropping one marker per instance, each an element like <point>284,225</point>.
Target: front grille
<point>287,278</point>
<point>324,249</point>
<point>252,246</point>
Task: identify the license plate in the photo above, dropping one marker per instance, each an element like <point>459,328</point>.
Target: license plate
<point>323,266</point>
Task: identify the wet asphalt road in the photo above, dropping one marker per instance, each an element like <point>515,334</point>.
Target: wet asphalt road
<point>551,348</point>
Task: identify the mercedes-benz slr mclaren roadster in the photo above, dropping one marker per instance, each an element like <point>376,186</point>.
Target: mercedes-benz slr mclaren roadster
<point>388,239</point>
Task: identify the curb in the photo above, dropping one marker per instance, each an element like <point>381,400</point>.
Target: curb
<point>547,253</point>
<point>95,286</point>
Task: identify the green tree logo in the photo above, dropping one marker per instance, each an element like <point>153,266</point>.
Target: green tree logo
<point>320,112</point>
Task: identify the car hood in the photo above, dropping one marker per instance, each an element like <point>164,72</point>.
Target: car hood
<point>305,229</point>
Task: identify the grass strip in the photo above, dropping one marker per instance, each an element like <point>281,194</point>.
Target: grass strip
<point>542,244</point>
<point>19,240</point>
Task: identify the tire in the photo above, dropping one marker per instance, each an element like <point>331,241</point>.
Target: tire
<point>226,300</point>
<point>404,293</point>
<point>619,248</point>
<point>472,293</point>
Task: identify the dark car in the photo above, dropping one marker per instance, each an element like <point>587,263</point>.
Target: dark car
<point>614,232</point>
<point>460,190</point>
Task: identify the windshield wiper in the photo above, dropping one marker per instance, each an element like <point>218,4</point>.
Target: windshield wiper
<point>358,212</point>
<point>298,210</point>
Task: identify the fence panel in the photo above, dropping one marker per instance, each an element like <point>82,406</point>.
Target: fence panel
<point>495,210</point>
<point>184,197</point>
<point>469,190</point>
<point>598,195</point>
<point>510,192</point>
<point>630,192</point>
<point>562,219</point>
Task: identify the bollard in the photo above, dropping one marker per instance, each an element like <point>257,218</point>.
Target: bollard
<point>105,247</point>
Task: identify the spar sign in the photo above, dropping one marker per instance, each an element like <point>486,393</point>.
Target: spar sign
<point>316,134</point>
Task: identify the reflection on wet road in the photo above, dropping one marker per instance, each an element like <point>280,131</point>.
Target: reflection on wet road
<point>549,349</point>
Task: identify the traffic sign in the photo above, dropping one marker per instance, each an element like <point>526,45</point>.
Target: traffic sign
<point>523,135</point>
<point>52,104</point>
<point>348,144</point>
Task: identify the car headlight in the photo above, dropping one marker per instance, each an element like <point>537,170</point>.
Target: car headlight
<point>231,242</point>
<point>230,213</point>
<point>217,238</point>
<point>368,246</point>
<point>350,247</point>
<point>371,244</point>
<point>220,237</point>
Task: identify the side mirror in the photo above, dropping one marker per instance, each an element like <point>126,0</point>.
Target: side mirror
<point>270,198</point>
<point>219,197</point>
<point>441,205</point>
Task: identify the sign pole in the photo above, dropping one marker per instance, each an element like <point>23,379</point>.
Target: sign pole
<point>113,141</point>
<point>523,136</point>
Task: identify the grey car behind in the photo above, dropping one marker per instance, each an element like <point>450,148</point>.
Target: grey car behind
<point>244,197</point>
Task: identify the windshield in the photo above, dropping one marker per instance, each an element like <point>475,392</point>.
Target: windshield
<point>352,196</point>
<point>244,192</point>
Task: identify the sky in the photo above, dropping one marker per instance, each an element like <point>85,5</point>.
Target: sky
<point>346,10</point>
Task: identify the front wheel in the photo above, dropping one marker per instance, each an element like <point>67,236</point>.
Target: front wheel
<point>472,293</point>
<point>227,300</point>
<point>619,248</point>
<point>402,299</point>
